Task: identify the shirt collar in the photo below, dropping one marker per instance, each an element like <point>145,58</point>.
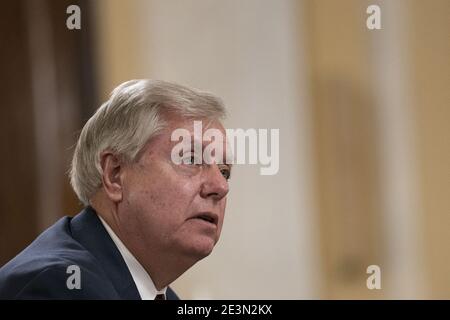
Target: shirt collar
<point>144,283</point>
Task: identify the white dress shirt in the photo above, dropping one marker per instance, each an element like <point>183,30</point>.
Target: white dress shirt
<point>143,282</point>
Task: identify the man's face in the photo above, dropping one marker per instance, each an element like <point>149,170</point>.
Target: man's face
<point>177,208</point>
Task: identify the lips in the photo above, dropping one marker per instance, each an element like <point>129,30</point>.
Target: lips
<point>208,217</point>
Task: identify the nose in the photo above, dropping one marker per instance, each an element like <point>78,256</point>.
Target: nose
<point>214,185</point>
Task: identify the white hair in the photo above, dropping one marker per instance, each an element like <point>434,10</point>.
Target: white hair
<point>123,124</point>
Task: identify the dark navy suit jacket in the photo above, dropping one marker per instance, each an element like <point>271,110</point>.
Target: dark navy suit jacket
<point>41,270</point>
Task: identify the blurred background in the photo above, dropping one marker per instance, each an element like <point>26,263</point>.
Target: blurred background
<point>363,115</point>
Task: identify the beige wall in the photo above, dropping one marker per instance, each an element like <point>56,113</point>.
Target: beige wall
<point>344,112</point>
<point>430,52</point>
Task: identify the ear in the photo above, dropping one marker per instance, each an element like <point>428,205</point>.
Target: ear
<point>112,168</point>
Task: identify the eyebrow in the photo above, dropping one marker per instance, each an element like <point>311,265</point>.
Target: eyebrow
<point>195,142</point>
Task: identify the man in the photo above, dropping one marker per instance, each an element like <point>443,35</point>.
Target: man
<point>147,218</point>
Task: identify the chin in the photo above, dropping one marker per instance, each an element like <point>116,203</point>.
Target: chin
<point>201,248</point>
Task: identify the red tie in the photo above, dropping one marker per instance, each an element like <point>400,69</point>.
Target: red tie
<point>160,296</point>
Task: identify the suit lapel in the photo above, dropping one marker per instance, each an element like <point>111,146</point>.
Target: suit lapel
<point>88,230</point>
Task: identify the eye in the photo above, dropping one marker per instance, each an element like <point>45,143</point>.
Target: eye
<point>226,172</point>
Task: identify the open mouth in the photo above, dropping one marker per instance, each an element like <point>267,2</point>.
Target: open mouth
<point>208,217</point>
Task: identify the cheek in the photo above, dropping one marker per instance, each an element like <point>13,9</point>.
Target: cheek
<point>159,196</point>
<point>168,201</point>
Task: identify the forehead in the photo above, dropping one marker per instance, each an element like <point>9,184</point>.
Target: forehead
<point>163,141</point>
<point>198,130</point>
<point>191,124</point>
